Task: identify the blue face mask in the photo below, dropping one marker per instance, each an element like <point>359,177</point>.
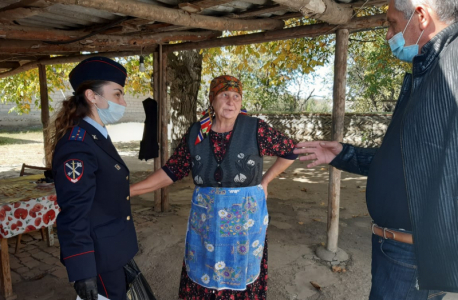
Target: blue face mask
<point>397,45</point>
<point>112,114</point>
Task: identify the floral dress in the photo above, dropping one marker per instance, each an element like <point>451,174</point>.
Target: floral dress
<point>271,143</point>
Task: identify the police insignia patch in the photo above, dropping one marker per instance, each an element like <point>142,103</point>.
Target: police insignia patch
<point>73,169</point>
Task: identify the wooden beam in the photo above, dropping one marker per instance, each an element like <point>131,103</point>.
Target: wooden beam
<point>288,16</point>
<point>150,29</point>
<point>337,132</point>
<point>324,10</point>
<point>174,16</point>
<point>164,125</point>
<point>203,4</point>
<point>361,3</point>
<point>16,32</point>
<point>157,97</point>
<point>44,101</point>
<point>284,34</point>
<point>70,59</point>
<point>20,13</point>
<point>9,65</point>
<point>105,42</point>
<point>260,11</point>
<point>26,3</point>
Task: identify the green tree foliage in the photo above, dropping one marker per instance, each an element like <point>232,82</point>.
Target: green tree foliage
<point>374,74</point>
<point>267,69</point>
<point>23,89</point>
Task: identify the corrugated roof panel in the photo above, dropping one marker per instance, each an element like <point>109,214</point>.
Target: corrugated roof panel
<point>53,21</point>
<point>58,17</point>
<point>39,24</point>
<point>65,11</point>
<point>79,10</point>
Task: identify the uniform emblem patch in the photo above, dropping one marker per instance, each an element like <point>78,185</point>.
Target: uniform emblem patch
<point>74,169</point>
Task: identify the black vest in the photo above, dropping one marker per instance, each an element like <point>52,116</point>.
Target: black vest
<point>241,165</point>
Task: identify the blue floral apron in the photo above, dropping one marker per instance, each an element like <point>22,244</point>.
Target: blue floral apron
<point>226,235</point>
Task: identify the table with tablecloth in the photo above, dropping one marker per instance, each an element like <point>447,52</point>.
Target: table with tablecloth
<point>25,205</point>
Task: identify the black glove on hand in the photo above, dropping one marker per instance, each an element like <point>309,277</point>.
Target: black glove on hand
<point>87,288</point>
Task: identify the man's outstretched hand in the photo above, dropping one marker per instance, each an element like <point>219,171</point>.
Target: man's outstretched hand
<point>320,152</point>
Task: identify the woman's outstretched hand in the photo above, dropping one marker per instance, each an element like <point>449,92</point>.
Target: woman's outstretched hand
<point>320,152</point>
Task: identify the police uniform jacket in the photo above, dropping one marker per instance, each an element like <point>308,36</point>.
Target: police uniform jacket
<point>95,226</point>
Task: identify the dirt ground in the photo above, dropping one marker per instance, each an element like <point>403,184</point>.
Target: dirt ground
<point>297,204</point>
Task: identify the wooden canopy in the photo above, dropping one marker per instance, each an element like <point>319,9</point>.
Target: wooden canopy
<point>34,33</point>
<point>33,30</point>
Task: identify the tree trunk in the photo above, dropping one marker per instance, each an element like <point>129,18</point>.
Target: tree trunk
<point>183,74</point>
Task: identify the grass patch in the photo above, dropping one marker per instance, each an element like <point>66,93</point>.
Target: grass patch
<point>30,129</point>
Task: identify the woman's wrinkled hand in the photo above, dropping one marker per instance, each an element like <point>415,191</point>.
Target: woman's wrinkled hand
<point>320,152</point>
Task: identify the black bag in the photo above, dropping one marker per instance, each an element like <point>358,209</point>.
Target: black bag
<point>137,286</point>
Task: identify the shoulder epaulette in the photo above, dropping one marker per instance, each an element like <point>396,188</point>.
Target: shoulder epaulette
<point>77,134</point>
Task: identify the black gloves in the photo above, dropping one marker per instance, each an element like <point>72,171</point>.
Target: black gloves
<point>86,288</point>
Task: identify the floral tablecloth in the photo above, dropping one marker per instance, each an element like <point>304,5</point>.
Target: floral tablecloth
<point>26,206</point>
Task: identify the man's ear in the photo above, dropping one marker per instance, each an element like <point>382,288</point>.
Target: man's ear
<point>423,13</point>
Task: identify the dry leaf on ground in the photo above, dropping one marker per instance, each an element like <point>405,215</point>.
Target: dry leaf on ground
<point>315,285</point>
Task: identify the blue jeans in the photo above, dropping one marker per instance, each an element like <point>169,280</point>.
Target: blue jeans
<point>394,272</point>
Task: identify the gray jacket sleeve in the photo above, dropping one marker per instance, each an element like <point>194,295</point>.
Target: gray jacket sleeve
<point>354,159</point>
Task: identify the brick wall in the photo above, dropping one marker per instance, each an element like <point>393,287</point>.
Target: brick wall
<point>365,130</point>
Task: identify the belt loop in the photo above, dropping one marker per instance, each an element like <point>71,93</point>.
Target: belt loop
<point>373,225</point>
<point>390,231</point>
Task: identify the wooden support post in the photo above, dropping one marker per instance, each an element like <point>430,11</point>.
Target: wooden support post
<point>157,97</point>
<point>5,282</point>
<point>44,101</point>
<point>338,114</point>
<point>164,125</point>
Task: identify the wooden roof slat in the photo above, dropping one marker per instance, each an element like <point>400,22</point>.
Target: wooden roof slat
<point>102,42</point>
<point>174,16</point>
<point>377,21</point>
<point>9,65</point>
<point>15,32</point>
<point>259,11</point>
<point>20,13</point>
<point>288,16</point>
<point>203,4</point>
<point>12,4</point>
<point>70,59</point>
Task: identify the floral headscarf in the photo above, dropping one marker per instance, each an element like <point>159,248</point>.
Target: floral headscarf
<point>218,85</point>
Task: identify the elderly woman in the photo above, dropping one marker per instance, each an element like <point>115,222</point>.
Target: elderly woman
<point>226,245</point>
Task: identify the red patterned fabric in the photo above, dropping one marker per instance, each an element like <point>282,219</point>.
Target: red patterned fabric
<point>28,215</point>
<point>270,142</point>
<point>222,84</point>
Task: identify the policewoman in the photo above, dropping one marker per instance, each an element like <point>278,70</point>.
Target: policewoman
<point>95,227</point>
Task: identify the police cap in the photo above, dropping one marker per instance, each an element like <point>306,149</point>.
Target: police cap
<point>97,68</point>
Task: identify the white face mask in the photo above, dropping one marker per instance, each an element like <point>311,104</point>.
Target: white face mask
<point>112,114</point>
